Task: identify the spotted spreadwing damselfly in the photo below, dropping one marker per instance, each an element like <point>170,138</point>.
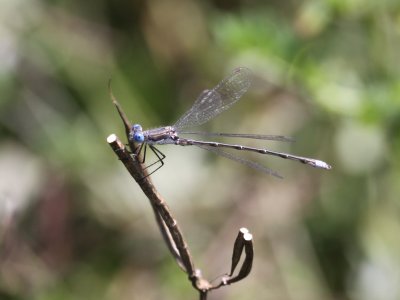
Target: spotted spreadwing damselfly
<point>208,105</point>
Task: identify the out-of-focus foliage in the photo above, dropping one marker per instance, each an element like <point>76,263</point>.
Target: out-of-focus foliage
<point>74,225</point>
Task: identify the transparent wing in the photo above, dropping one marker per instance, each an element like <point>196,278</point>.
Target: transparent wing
<point>243,161</point>
<point>279,138</point>
<point>212,102</point>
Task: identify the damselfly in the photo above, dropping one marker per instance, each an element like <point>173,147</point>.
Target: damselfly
<point>208,105</point>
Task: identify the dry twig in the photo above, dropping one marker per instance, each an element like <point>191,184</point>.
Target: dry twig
<point>168,225</point>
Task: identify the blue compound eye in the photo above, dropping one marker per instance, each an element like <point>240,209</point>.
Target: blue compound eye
<point>137,127</point>
<point>138,137</point>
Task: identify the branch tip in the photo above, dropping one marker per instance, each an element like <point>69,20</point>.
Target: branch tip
<point>243,230</point>
<point>112,138</point>
<point>247,236</point>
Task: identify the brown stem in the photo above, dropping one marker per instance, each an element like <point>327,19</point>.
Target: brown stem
<point>167,224</point>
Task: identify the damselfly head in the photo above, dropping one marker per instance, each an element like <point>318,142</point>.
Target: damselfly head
<point>137,133</point>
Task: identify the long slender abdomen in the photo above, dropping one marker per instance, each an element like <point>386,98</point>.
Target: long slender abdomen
<point>308,161</point>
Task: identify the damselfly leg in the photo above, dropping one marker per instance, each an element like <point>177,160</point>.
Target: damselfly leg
<point>160,156</point>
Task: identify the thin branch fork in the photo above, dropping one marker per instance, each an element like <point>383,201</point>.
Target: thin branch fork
<point>168,225</point>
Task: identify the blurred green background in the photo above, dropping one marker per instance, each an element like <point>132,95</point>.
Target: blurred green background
<point>74,225</point>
